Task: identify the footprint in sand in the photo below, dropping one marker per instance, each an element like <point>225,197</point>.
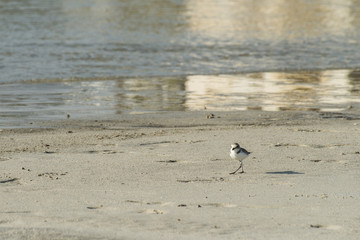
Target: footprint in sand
<point>52,175</point>
<point>180,205</point>
<point>167,161</point>
<point>102,152</point>
<point>213,179</point>
<point>94,207</point>
<point>224,205</point>
<point>10,181</point>
<point>148,203</point>
<point>151,211</point>
<point>3,159</point>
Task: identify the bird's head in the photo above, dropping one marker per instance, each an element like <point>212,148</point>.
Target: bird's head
<point>235,146</point>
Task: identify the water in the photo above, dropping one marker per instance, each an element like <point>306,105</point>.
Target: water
<point>90,58</point>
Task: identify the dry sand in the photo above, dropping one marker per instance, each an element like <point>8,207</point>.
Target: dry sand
<point>166,176</point>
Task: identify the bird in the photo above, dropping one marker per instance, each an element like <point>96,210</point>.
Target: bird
<point>238,153</point>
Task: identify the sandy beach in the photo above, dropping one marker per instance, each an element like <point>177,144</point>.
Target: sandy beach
<point>166,176</point>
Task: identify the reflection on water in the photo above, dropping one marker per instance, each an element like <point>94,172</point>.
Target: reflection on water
<point>156,94</point>
<point>274,91</point>
<point>269,91</point>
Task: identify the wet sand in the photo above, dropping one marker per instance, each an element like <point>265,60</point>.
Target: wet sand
<point>166,176</point>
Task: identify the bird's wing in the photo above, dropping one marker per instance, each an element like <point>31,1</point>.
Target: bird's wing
<point>245,151</point>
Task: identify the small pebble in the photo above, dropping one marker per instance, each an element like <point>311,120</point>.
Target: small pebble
<point>210,115</point>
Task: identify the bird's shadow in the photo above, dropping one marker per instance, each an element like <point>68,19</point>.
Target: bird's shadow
<point>285,172</point>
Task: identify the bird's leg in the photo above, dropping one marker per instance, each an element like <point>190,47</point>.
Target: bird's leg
<point>242,169</point>
<point>237,169</point>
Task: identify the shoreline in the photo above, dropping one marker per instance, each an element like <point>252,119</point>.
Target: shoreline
<point>161,176</point>
<point>174,119</point>
<point>322,91</point>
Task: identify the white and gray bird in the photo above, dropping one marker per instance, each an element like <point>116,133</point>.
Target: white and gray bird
<point>238,153</point>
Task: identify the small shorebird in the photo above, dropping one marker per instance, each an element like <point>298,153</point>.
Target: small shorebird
<point>238,153</point>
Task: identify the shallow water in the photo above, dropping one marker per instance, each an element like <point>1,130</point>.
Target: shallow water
<point>91,58</point>
<point>329,90</point>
